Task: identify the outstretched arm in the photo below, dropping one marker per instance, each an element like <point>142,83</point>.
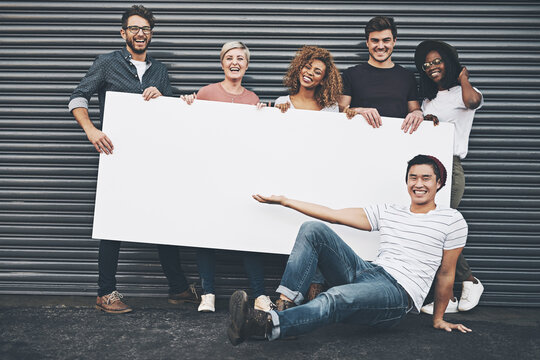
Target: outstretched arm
<point>443,291</point>
<point>353,217</point>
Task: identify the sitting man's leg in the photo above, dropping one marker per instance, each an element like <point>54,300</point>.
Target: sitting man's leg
<point>318,245</point>
<point>363,293</point>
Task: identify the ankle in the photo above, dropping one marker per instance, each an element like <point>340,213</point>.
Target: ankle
<point>283,297</point>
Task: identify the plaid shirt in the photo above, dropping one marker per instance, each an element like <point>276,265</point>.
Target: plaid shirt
<point>115,72</point>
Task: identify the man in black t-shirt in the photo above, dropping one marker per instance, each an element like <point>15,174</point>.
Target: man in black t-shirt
<point>380,87</point>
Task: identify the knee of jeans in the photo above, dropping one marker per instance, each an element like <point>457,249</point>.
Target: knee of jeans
<point>309,228</point>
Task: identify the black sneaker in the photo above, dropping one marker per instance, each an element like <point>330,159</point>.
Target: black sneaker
<point>246,322</point>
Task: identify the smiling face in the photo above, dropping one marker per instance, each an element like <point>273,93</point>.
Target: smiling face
<point>422,186</point>
<point>435,72</point>
<point>312,74</point>
<point>136,43</point>
<point>380,45</point>
<point>234,64</point>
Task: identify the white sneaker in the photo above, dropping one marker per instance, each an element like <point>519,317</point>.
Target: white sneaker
<point>451,308</point>
<point>208,302</point>
<point>264,303</point>
<point>470,295</point>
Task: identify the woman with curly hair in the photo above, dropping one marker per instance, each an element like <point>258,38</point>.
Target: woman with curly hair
<point>313,80</point>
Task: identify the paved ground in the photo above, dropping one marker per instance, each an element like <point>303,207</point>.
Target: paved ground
<point>39,327</point>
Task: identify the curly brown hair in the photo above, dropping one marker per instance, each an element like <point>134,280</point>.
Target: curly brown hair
<point>329,90</point>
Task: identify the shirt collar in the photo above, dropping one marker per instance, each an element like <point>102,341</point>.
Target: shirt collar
<point>127,56</point>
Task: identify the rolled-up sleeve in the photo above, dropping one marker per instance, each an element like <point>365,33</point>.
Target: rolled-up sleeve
<point>88,86</point>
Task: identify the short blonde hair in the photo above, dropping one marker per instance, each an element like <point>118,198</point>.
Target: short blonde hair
<point>233,45</point>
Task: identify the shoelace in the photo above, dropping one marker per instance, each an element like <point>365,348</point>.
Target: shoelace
<point>113,297</point>
<point>194,291</point>
<point>268,303</point>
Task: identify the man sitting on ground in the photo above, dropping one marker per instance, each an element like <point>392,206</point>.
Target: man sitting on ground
<point>416,240</point>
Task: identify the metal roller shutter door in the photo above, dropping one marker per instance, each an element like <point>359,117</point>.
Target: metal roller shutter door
<point>48,169</point>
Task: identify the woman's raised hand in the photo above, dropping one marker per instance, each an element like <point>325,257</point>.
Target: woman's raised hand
<point>283,107</point>
<point>189,99</point>
<point>261,105</point>
<point>463,75</point>
<point>431,117</point>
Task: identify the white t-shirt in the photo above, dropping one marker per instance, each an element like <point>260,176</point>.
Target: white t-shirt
<point>141,67</point>
<point>287,98</point>
<point>448,106</point>
<point>412,245</point>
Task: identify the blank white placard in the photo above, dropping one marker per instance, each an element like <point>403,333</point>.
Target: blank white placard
<point>184,175</point>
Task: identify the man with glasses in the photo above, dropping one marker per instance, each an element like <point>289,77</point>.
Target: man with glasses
<point>380,87</point>
<point>130,70</point>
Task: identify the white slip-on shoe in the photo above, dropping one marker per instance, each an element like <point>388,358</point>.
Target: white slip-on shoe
<point>208,302</point>
<point>470,295</point>
<point>450,309</point>
<point>264,303</point>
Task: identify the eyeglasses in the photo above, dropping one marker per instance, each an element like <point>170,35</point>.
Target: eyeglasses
<point>135,29</point>
<point>435,62</point>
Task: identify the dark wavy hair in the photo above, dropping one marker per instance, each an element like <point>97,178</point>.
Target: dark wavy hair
<point>140,11</point>
<point>380,23</point>
<point>428,88</point>
<point>328,91</point>
<point>436,164</point>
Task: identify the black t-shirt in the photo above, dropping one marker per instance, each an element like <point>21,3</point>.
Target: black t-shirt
<point>387,90</point>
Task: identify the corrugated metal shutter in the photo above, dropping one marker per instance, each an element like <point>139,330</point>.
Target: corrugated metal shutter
<point>48,168</point>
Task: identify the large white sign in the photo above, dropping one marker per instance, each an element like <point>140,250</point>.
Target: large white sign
<point>184,175</point>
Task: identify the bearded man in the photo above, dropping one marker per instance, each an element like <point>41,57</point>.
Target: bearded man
<point>130,70</point>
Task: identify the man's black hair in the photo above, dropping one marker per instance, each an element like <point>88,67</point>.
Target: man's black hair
<point>380,23</point>
<point>428,160</point>
<point>428,88</point>
<point>140,11</point>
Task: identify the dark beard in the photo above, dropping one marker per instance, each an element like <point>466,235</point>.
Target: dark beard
<point>131,44</point>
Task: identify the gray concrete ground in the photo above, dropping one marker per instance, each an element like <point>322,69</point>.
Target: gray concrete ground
<point>45,327</point>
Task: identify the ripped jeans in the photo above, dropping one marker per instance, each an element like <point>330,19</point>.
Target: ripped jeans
<point>360,293</point>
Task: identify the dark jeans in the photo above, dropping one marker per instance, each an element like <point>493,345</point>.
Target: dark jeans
<point>108,263</point>
<point>253,265</point>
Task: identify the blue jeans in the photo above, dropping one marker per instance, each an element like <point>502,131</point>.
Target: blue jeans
<point>360,293</point>
<point>253,265</point>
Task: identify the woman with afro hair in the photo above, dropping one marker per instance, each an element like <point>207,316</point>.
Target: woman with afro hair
<point>313,80</point>
<point>450,97</point>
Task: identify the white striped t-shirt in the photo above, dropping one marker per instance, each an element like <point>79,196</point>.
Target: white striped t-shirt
<point>412,244</point>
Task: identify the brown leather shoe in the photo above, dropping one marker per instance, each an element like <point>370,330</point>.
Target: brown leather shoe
<point>284,304</point>
<point>112,303</point>
<point>314,290</point>
<point>188,296</point>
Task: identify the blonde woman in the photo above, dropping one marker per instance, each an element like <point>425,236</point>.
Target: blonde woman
<point>234,58</point>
